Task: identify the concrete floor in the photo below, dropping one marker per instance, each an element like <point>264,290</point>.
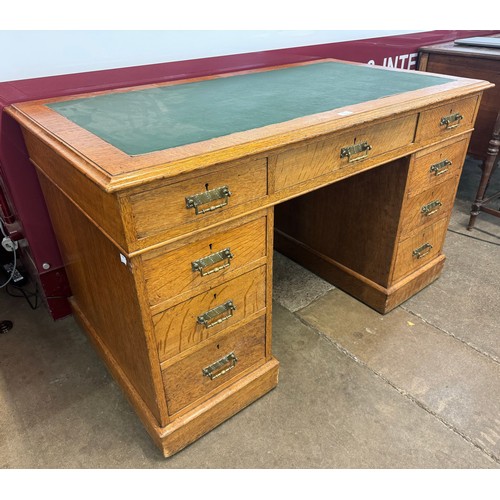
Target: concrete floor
<point>417,388</point>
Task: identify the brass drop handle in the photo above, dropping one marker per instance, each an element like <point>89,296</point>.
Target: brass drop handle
<point>422,251</point>
<point>216,370</point>
<point>451,121</point>
<point>431,208</point>
<point>208,319</point>
<point>201,265</point>
<point>197,200</point>
<point>356,152</point>
<point>440,168</point>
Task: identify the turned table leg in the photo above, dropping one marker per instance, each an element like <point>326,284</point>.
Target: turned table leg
<point>488,168</point>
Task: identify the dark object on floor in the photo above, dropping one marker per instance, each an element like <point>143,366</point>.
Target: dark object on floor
<point>5,326</point>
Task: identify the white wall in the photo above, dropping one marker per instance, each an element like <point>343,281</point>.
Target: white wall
<point>31,54</point>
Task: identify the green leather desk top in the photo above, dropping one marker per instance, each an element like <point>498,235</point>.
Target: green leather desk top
<point>154,119</point>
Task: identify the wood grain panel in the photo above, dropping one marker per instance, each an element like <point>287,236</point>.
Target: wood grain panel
<point>170,273</point>
<point>319,158</point>
<point>414,219</point>
<point>429,124</point>
<point>105,292</point>
<point>185,382</point>
<point>157,210</point>
<point>421,177</point>
<point>353,222</point>
<point>406,261</point>
<point>177,328</point>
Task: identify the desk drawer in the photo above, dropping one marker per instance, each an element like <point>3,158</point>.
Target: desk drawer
<point>205,199</point>
<point>322,157</point>
<point>419,249</point>
<point>446,120</point>
<point>223,360</point>
<point>188,323</point>
<point>425,208</point>
<point>223,252</point>
<point>432,168</point>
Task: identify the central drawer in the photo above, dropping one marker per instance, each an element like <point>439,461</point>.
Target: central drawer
<point>357,147</point>
<point>189,323</point>
<point>222,360</point>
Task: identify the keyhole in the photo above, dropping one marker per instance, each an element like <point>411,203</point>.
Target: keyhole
<point>206,186</point>
<point>355,140</point>
<point>215,295</point>
<point>218,346</point>
<point>210,245</point>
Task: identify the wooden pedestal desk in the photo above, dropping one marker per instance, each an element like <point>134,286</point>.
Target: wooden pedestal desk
<point>162,198</point>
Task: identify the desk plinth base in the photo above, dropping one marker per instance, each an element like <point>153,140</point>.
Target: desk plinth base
<point>380,298</point>
<point>186,429</point>
<point>191,426</point>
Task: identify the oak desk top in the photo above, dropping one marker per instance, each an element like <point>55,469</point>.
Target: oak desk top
<point>126,137</point>
<point>153,119</point>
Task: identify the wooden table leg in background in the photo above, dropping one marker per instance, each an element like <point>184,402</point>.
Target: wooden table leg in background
<point>488,167</point>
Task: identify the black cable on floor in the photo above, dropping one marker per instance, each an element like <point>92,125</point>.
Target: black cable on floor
<point>24,294</point>
<point>474,237</point>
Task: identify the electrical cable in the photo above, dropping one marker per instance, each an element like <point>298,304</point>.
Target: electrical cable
<point>474,237</point>
<point>14,264</point>
<point>2,224</point>
<point>24,294</point>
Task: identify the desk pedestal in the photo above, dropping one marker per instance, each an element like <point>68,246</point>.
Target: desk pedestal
<point>368,234</point>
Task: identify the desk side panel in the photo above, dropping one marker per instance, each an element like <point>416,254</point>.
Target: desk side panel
<point>105,293</point>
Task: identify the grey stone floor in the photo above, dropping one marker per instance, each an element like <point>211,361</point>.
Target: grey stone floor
<point>416,388</point>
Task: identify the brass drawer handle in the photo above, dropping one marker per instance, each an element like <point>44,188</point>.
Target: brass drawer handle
<point>220,193</point>
<point>440,168</point>
<point>353,152</point>
<point>422,251</point>
<point>431,208</point>
<point>208,261</point>
<point>451,121</point>
<point>206,318</point>
<point>213,372</point>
